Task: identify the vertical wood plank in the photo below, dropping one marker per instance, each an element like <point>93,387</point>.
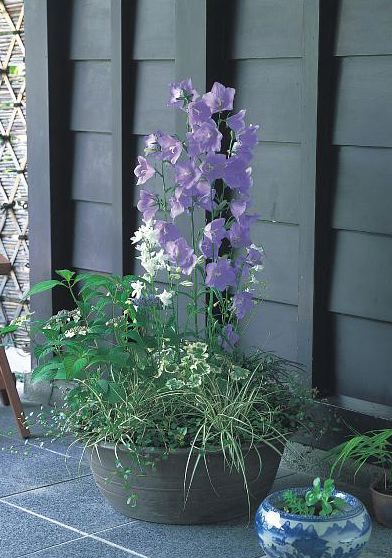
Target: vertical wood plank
<point>121,37</point>
<point>308,191</point>
<point>38,109</point>
<point>191,46</point>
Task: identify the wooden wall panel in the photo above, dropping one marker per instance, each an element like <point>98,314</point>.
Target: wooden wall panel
<point>280,243</point>
<point>364,27</point>
<point>273,327</point>
<point>364,108</point>
<point>92,165</point>
<point>90,29</point>
<point>361,275</point>
<point>362,363</point>
<point>268,29</point>
<point>277,181</point>
<point>152,79</point>
<point>154,30</point>
<point>363,194</point>
<point>91,103</point>
<point>92,236</point>
<point>271,92</point>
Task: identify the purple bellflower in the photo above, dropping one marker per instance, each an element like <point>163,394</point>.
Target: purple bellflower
<point>198,112</point>
<point>182,93</point>
<point>143,171</point>
<point>220,98</point>
<point>186,174</point>
<point>220,274</point>
<point>205,138</point>
<point>148,204</point>
<point>181,254</point>
<point>213,166</point>
<point>236,122</point>
<point>238,175</point>
<point>242,304</point>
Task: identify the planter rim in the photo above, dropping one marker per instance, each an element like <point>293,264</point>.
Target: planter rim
<point>374,489</point>
<point>154,450</point>
<point>355,504</point>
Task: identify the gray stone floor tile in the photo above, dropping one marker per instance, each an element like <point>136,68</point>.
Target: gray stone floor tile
<point>28,467</point>
<point>176,541</point>
<point>65,446</point>
<point>21,533</point>
<point>8,425</point>
<point>77,503</point>
<point>82,548</point>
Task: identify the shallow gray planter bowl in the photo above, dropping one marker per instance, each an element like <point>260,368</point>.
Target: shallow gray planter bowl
<point>160,491</point>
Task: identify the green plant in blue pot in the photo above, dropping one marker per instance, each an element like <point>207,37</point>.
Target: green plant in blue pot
<point>316,522</point>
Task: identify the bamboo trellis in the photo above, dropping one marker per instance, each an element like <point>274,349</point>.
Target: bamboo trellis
<point>13,176</point>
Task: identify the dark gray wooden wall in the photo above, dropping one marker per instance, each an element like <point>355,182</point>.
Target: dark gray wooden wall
<point>360,298</point>
<point>317,76</point>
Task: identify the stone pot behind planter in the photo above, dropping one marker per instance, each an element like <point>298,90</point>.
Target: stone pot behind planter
<point>216,495</point>
<point>382,505</point>
<point>286,535</point>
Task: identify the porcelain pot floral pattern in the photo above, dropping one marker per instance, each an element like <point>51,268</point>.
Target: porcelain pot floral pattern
<point>285,535</point>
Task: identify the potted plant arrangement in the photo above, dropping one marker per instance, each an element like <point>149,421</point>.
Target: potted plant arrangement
<point>316,522</point>
<point>373,447</point>
<point>181,425</point>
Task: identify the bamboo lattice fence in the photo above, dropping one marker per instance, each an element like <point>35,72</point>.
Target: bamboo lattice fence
<point>14,223</point>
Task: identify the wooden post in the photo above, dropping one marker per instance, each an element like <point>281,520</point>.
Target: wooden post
<point>8,391</point>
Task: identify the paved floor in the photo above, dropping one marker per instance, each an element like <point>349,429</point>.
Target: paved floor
<point>50,508</point>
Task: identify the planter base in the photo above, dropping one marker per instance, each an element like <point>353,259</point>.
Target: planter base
<point>382,506</point>
<point>215,496</point>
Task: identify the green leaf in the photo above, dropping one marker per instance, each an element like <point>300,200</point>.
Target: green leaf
<point>42,287</point>
<point>311,498</point>
<point>8,329</point>
<point>103,385</point>
<point>326,508</point>
<point>79,366</point>
<point>46,371</point>
<point>116,393</point>
<point>65,274</point>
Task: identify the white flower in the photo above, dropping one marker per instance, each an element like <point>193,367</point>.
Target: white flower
<point>165,297</point>
<point>147,233</point>
<point>137,287</point>
<point>70,333</point>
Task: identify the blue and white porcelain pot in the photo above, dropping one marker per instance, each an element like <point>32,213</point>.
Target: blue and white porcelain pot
<point>286,535</point>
